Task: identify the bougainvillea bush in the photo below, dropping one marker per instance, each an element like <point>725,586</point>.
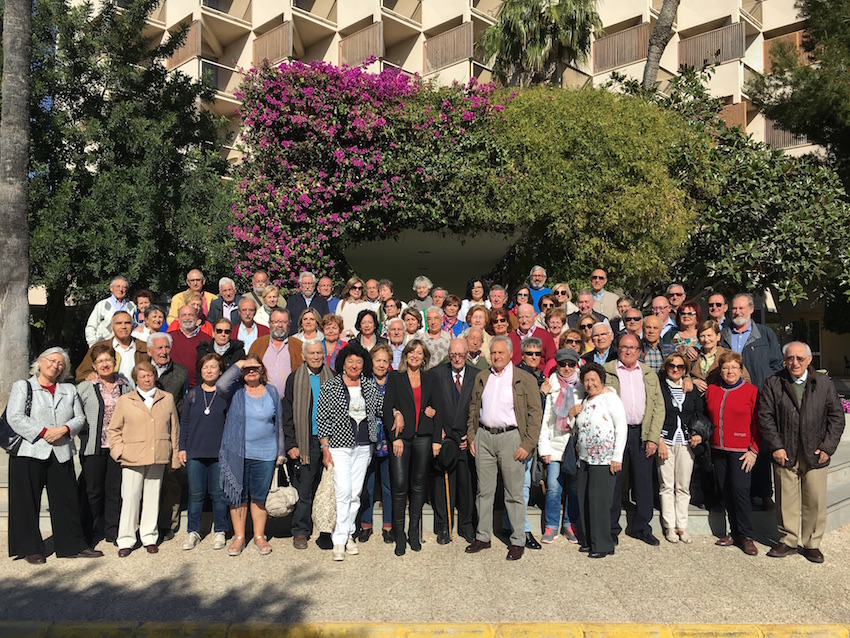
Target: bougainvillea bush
<point>340,155</point>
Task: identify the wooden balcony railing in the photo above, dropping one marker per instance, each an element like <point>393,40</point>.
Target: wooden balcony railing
<point>365,43</point>
<point>274,46</point>
<point>735,115</point>
<point>191,48</point>
<point>448,48</point>
<point>780,138</point>
<point>621,48</point>
<point>720,45</point>
<point>794,40</point>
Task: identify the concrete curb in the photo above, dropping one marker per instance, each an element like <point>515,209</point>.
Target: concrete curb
<point>435,630</point>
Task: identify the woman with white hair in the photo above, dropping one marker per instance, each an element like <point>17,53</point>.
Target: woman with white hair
<point>47,415</point>
<point>422,287</point>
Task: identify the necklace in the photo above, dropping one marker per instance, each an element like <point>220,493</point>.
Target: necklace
<point>207,405</point>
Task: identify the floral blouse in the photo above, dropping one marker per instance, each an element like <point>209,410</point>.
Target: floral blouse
<point>602,429</point>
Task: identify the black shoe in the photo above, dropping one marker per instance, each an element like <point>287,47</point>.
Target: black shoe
<point>615,539</point>
<point>324,541</point>
<point>467,535</point>
<point>388,536</point>
<point>400,544</point>
<point>443,537</point>
<point>531,542</point>
<point>88,552</point>
<point>647,538</point>
<point>599,554</point>
<point>35,559</point>
<point>414,541</point>
<point>166,535</point>
<point>365,534</point>
<point>584,549</point>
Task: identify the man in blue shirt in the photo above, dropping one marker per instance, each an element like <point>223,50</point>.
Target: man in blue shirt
<point>537,285</point>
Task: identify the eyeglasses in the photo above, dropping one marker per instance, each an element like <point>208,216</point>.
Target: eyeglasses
<point>676,294</point>
<point>457,355</point>
<point>560,293</point>
<point>675,366</point>
<point>733,368</point>
<point>194,280</point>
<point>221,331</point>
<point>630,348</point>
<point>791,359</point>
<point>715,305</point>
<point>573,341</point>
<point>659,308</point>
<point>532,354</point>
<point>478,287</point>
<point>500,321</point>
<point>567,364</point>
<point>522,294</point>
<point>598,277</point>
<point>688,313</point>
<point>357,288</point>
<point>632,319</point>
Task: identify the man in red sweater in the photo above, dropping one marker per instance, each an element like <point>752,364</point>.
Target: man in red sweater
<point>184,349</point>
<point>525,318</point>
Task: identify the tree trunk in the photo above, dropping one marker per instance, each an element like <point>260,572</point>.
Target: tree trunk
<point>661,35</point>
<point>14,194</point>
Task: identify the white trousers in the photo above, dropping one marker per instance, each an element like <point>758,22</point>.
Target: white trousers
<point>350,465</point>
<point>139,500</point>
<point>674,478</point>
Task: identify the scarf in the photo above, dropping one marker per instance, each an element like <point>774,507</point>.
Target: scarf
<point>565,402</point>
<point>221,350</point>
<point>302,401</point>
<point>726,386</point>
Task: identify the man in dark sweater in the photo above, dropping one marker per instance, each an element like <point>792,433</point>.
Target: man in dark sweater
<point>184,349</point>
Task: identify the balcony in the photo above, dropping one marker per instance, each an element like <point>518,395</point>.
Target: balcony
<point>191,48</point>
<point>448,48</point>
<point>409,11</point>
<point>487,9</point>
<point>735,115</point>
<point>226,81</point>
<point>225,21</point>
<point>322,10</point>
<point>621,48</point>
<point>793,40</point>
<point>363,44</point>
<point>780,138</point>
<point>721,45</point>
<point>655,10</point>
<point>314,22</point>
<point>752,11</point>
<point>274,46</point>
<point>155,22</point>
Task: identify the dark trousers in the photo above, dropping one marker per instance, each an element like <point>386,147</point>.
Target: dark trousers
<point>100,497</point>
<point>761,485</point>
<point>734,484</point>
<point>595,493</point>
<point>641,470</point>
<point>170,497</point>
<point>379,466</point>
<point>409,473</point>
<point>27,478</point>
<point>461,496</point>
<point>305,481</point>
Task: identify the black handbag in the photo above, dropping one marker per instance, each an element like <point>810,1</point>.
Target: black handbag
<point>569,462</point>
<point>9,439</point>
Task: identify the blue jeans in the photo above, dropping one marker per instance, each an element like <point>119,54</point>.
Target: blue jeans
<point>556,483</point>
<point>203,475</point>
<point>379,464</point>
<point>526,493</point>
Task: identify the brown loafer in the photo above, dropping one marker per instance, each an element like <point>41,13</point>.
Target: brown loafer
<point>515,552</point>
<point>725,541</point>
<point>813,554</point>
<point>124,552</point>
<point>152,549</point>
<point>476,546</point>
<point>781,550</point>
<point>299,542</point>
<point>88,553</point>
<point>749,547</point>
<point>35,559</point>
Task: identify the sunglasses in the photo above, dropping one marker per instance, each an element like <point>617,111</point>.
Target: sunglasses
<point>532,354</point>
<point>598,277</point>
<point>567,364</point>
<point>632,319</point>
<point>573,341</point>
<point>249,370</point>
<point>500,321</point>
<point>676,294</point>
<point>220,331</point>
<point>357,288</point>
<point>586,326</point>
<point>522,294</point>
<point>715,305</point>
<point>676,366</point>
<point>548,305</point>
<point>560,293</point>
<point>689,313</point>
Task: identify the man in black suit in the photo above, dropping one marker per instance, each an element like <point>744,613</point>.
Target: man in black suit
<point>585,307</point>
<point>226,304</point>
<point>454,382</point>
<point>306,298</point>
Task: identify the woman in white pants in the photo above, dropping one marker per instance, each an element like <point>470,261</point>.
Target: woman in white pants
<point>345,418</point>
<point>675,448</point>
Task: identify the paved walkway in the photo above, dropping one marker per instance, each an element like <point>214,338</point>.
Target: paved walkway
<point>699,583</point>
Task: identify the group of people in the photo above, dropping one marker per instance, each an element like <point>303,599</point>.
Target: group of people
<point>424,400</point>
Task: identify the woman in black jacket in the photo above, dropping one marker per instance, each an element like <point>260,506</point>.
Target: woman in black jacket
<point>229,351</point>
<point>413,393</point>
<point>675,448</point>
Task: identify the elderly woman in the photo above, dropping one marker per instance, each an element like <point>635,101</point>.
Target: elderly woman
<point>351,303</point>
<point>229,351</point>
<point>571,339</point>
<point>47,415</point>
<point>100,478</point>
<point>732,406</point>
<point>346,416</point>
<point>500,323</point>
<point>556,322</point>
<point>201,429</point>
<point>476,295</point>
<point>565,391</point>
<point>143,300</point>
<point>585,325</point>
<point>685,340</point>
<point>564,297</point>
<point>269,297</point>
<point>675,457</point>
<point>704,369</point>
<point>451,323</point>
<point>600,423</point>
<point>251,443</point>
<point>142,437</point>
<point>390,309</point>
<point>422,287</point>
<point>332,327</point>
<point>479,317</point>
<point>367,326</point>
<point>308,326</point>
<point>153,322</point>
<point>521,295</point>
<point>412,324</point>
<point>435,339</point>
<point>412,393</point>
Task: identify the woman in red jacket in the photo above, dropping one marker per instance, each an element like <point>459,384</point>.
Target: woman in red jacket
<point>732,406</point>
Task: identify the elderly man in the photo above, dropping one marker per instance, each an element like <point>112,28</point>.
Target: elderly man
<point>371,295</point>
<point>195,281</point>
<point>246,329</point>
<point>676,297</point>
<point>185,341</point>
<point>475,342</point>
<point>455,381</point>
<point>435,338</point>
<point>585,307</point>
<point>717,308</point>
<point>226,305</point>
<point>325,288</point>
<point>281,354</point>
<point>300,399</point>
<point>758,345</point>
<point>652,352</point>
<point>537,285</point>
<point>633,322</point>
<point>438,297</point>
<point>604,349</point>
<point>306,297</point>
<point>639,389</point>
<point>99,324</point>
<point>128,351</point>
<point>525,318</point>
<point>395,336</point>
<point>502,433</point>
<point>604,302</point>
<point>624,304</point>
<point>801,422</point>
<point>662,309</point>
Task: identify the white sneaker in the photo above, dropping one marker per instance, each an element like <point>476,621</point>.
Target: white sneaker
<point>351,547</point>
<point>338,552</point>
<point>219,540</point>
<point>672,536</point>
<point>192,539</point>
